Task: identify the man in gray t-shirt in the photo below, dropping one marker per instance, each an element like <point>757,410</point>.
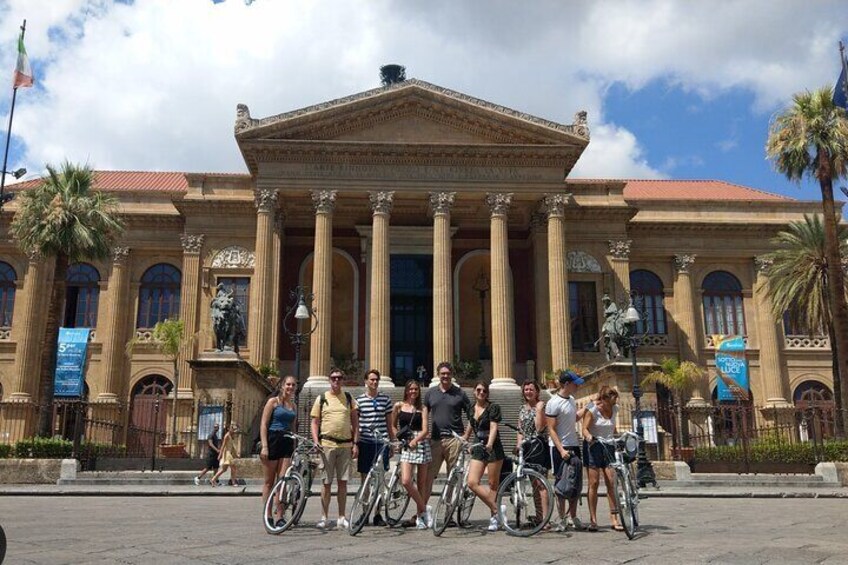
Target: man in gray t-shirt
<point>561,415</point>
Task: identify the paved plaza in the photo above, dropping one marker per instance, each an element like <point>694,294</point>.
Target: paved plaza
<point>227,530</point>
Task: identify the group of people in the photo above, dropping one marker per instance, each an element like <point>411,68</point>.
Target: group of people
<point>220,456</point>
<point>349,428</point>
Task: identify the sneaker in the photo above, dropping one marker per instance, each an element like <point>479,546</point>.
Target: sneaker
<point>559,525</point>
<point>428,516</point>
<point>322,524</point>
<point>342,523</point>
<point>421,523</point>
<point>493,524</point>
<point>378,520</point>
<point>196,482</point>
<point>574,522</point>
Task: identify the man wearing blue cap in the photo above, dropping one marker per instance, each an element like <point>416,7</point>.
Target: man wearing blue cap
<point>562,416</point>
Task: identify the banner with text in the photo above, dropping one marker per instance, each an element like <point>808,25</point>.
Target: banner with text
<point>70,361</point>
<point>732,367</point>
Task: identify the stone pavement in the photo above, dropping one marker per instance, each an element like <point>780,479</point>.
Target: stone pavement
<point>222,530</point>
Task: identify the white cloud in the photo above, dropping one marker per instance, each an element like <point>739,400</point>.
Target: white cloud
<point>154,85</point>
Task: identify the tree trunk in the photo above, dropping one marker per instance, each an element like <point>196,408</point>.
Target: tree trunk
<point>49,345</point>
<point>174,408</point>
<point>836,278</point>
<point>837,386</point>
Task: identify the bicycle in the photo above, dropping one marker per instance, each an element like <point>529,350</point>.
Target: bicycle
<point>380,488</point>
<point>521,494</point>
<point>287,499</point>
<point>625,486</point>
<point>456,496</point>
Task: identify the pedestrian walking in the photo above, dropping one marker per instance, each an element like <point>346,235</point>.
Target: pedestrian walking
<point>213,443</point>
<point>227,458</point>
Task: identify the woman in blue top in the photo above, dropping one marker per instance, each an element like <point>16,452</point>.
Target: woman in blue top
<point>278,419</point>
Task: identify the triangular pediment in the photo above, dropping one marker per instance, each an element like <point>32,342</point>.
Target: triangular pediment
<point>411,112</point>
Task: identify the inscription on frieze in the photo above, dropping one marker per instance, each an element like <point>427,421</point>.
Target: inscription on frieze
<point>416,172</point>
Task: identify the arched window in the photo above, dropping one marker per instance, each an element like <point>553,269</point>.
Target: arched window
<point>81,296</point>
<point>159,295</point>
<point>153,385</point>
<point>812,394</point>
<point>650,288</point>
<point>723,311</point>
<point>7,294</point>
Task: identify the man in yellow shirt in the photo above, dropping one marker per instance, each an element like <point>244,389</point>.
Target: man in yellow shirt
<point>335,425</point>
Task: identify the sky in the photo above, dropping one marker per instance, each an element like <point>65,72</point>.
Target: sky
<point>673,89</point>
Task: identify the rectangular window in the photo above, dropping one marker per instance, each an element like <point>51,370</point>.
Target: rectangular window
<point>240,287</point>
<point>583,312</point>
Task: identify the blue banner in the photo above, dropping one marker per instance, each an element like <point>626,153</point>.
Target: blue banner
<point>70,361</point>
<point>732,367</point>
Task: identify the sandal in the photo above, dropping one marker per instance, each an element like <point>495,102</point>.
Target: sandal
<point>618,527</point>
<point>592,527</point>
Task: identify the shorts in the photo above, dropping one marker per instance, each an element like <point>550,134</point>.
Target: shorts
<point>480,453</point>
<point>368,452</point>
<point>338,464</point>
<point>556,458</point>
<point>418,456</point>
<point>280,445</point>
<point>212,460</point>
<point>444,450</point>
<point>595,455</point>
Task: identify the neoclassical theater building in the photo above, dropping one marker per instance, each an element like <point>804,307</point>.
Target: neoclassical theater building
<point>429,225</point>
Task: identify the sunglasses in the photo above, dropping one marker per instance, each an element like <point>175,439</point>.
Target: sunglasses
<point>335,378</point>
<point>481,391</point>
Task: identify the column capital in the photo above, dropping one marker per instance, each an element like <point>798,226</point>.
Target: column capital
<point>324,201</point>
<point>120,255</point>
<point>620,248</point>
<point>538,221</point>
<point>265,199</point>
<point>499,202</point>
<point>441,202</point>
<point>763,263</point>
<point>381,201</point>
<point>682,262</point>
<point>192,243</point>
<point>554,204</point>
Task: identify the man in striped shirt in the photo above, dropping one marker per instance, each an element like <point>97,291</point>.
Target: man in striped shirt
<point>374,411</point>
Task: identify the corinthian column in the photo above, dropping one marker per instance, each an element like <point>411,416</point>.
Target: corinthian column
<point>539,236</point>
<point>619,258</point>
<point>558,281</point>
<point>192,244</point>
<point>324,202</point>
<point>689,336</point>
<point>260,298</point>
<point>503,327</point>
<point>774,382</point>
<point>28,329</point>
<point>380,338</point>
<point>440,206</point>
<point>115,331</point>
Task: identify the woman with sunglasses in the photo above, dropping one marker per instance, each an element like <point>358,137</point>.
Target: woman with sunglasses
<point>483,421</point>
<point>408,417</point>
<point>279,417</point>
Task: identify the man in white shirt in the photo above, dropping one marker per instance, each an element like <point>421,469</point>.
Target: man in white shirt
<point>562,415</point>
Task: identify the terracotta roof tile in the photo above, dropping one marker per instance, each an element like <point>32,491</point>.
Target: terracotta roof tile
<point>130,181</point>
<point>694,190</point>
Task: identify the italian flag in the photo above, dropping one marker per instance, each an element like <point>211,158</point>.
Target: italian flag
<point>23,72</point>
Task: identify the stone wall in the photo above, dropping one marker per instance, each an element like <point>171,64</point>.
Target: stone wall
<point>30,471</point>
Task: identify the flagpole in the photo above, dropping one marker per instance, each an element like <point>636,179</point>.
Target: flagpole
<point>9,135</point>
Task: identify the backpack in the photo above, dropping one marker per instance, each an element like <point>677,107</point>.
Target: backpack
<point>570,483</point>
<point>323,397</point>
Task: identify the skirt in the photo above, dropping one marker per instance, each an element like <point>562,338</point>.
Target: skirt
<point>418,456</point>
<point>227,458</point>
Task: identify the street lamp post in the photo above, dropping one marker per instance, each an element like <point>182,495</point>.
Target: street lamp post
<point>299,311</point>
<point>644,470</point>
<point>482,286</point>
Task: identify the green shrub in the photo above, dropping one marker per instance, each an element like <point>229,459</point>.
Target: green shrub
<point>5,450</point>
<point>775,450</point>
<point>43,448</point>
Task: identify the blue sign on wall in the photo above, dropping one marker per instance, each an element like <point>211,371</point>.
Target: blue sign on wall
<point>70,361</point>
<point>732,368</point>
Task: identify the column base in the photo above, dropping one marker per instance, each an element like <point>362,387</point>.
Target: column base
<point>107,398</point>
<point>697,402</point>
<point>778,403</point>
<point>504,382</point>
<point>20,397</point>
<point>386,382</point>
<point>317,381</point>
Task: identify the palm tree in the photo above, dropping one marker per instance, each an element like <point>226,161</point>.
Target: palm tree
<point>680,379</point>
<point>811,138</point>
<point>168,340</point>
<point>66,219</point>
<point>798,284</point>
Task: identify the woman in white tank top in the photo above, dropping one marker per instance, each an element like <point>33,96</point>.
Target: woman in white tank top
<point>599,422</point>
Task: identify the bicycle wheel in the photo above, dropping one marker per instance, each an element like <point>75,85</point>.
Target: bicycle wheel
<point>466,505</point>
<point>282,504</point>
<point>634,492</point>
<point>307,481</point>
<point>445,507</point>
<point>396,501</point>
<point>363,502</point>
<point>621,490</point>
<point>525,503</point>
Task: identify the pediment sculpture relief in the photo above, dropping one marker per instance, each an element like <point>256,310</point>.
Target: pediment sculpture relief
<point>582,262</point>
<point>233,257</point>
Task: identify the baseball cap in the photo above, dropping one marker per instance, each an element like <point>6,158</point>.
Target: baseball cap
<point>570,377</point>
